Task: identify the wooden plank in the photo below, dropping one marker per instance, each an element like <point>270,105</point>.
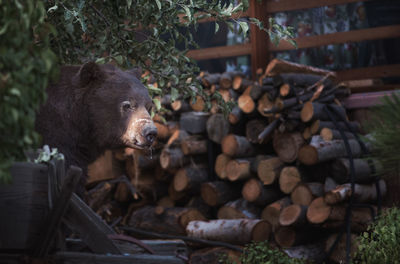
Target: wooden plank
<point>369,72</point>
<point>365,100</point>
<point>77,258</point>
<point>258,38</point>
<point>375,88</point>
<point>392,31</point>
<point>220,52</point>
<point>274,6</point>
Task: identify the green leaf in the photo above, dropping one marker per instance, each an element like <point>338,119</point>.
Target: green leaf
<point>157,104</point>
<point>244,26</point>
<point>187,12</point>
<point>129,3</point>
<point>216,27</point>
<point>174,94</point>
<point>158,4</point>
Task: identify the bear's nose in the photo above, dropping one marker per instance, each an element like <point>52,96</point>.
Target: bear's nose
<point>150,133</point>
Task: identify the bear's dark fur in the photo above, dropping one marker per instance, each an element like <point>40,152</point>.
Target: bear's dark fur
<point>93,108</point>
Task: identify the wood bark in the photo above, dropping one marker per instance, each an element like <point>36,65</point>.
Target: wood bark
<point>239,209</point>
<point>277,66</point>
<point>193,122</point>
<point>246,103</point>
<point>194,145</point>
<point>305,193</point>
<point>209,79</point>
<point>288,179</point>
<point>238,169</point>
<point>303,80</point>
<point>253,129</point>
<point>314,111</point>
<point>217,127</point>
<point>198,203</point>
<point>237,146</point>
<point>189,179</point>
<point>266,134</point>
<point>329,134</point>
<point>362,193</point>
<point>265,103</point>
<point>254,191</point>
<point>257,90</point>
<point>225,81</point>
<point>235,115</point>
<point>170,221</point>
<point>236,231</point>
<point>272,211</point>
<point>287,146</point>
<point>219,192</point>
<point>293,215</point>
<point>172,158</point>
<point>340,170</point>
<point>317,125</point>
<point>287,236</point>
<point>220,165</point>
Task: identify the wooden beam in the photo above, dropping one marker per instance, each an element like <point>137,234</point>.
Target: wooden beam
<point>369,72</point>
<point>392,31</point>
<point>366,100</point>
<point>220,52</point>
<point>258,38</point>
<point>274,6</point>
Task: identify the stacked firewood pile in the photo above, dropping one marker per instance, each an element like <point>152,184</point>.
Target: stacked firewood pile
<point>275,169</point>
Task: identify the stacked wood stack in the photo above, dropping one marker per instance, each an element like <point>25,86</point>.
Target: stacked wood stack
<point>275,169</point>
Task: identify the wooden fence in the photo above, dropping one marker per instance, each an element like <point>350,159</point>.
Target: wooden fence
<point>259,49</point>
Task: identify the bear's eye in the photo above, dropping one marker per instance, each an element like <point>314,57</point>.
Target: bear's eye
<point>126,105</point>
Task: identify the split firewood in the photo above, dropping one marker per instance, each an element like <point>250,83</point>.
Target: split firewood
<point>320,151</point>
<point>329,134</point>
<point>239,209</point>
<point>235,115</point>
<point>254,191</point>
<point>254,128</point>
<point>293,215</point>
<point>237,146</point>
<point>167,221</point>
<point>172,158</point>
<point>220,165</point>
<point>305,193</point>
<point>277,66</point>
<point>288,179</point>
<point>268,170</point>
<point>193,122</point>
<point>194,145</point>
<point>219,192</point>
<point>340,170</point>
<point>190,179</point>
<point>272,211</point>
<point>217,127</point>
<point>316,111</point>
<point>362,193</point>
<point>339,253</point>
<point>238,169</point>
<point>287,146</point>
<point>236,231</point>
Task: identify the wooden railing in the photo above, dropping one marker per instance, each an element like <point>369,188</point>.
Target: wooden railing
<point>259,48</point>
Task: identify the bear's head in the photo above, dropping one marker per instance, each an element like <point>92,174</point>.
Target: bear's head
<point>118,106</point>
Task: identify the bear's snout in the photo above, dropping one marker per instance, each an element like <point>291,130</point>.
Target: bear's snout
<point>149,132</point>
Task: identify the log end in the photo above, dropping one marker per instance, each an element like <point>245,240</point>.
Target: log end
<point>180,180</point>
<point>289,215</point>
<point>285,237</point>
<point>307,112</point>
<point>261,231</point>
<point>308,155</point>
<point>251,190</point>
<point>301,195</point>
<point>209,194</point>
<point>229,145</point>
<point>318,211</point>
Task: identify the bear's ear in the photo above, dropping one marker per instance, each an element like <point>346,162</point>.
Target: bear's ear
<point>89,72</point>
<point>137,72</point>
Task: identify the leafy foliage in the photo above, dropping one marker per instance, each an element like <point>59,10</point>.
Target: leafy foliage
<point>380,244</point>
<point>385,138</point>
<point>262,253</point>
<point>26,62</point>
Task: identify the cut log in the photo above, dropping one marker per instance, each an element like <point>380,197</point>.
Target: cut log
<point>289,178</point>
<point>190,179</point>
<point>290,125</point>
<point>198,104</point>
<point>277,66</point>
<point>198,203</point>
<point>315,111</point>
<point>254,191</point>
<point>307,133</point>
<point>319,211</point>
<point>317,125</point>
<point>228,95</point>
<point>268,170</point>
<point>217,127</point>
<point>236,231</point>
<point>339,253</point>
<point>265,103</point>
<point>256,90</point>
<point>237,146</point>
<point>166,202</point>
<point>238,169</point>
<point>305,193</point>
<point>240,83</point>
<point>180,106</point>
<point>175,195</point>
<point>287,236</point>
<point>239,209</point>
<point>340,170</point>
<point>246,103</point>
<point>321,151</point>
<point>329,134</point>
<point>293,215</point>
<point>220,165</point>
<point>193,122</point>
<point>209,79</point>
<point>303,80</point>
<point>177,137</point>
<point>256,162</point>
<point>170,221</point>
<point>194,145</point>
<point>172,158</point>
<point>162,131</point>
<point>330,184</point>
<point>287,146</point>
<point>254,128</point>
<point>218,192</point>
<point>272,211</point>
<point>235,115</point>
<point>267,132</point>
<point>213,255</point>
<point>362,193</point>
<point>225,80</point>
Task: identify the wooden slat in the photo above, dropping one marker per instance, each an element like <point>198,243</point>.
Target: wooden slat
<point>369,72</point>
<point>365,100</point>
<point>220,52</point>
<point>258,38</point>
<point>274,6</point>
<point>392,31</point>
